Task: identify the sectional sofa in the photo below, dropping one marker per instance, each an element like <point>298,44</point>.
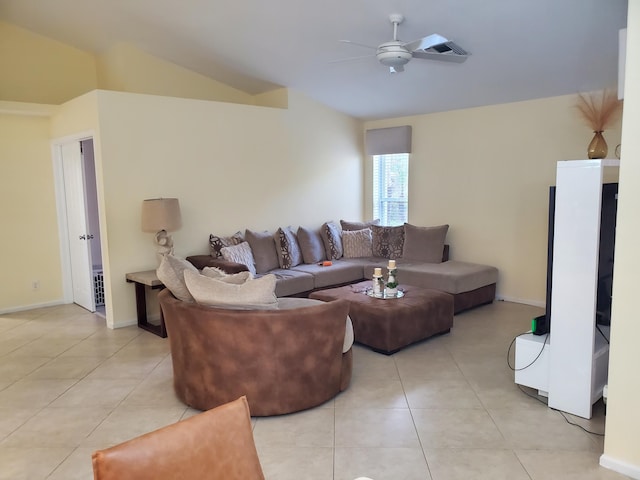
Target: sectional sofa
<point>304,260</point>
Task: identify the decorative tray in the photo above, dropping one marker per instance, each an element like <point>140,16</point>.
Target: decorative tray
<point>384,296</point>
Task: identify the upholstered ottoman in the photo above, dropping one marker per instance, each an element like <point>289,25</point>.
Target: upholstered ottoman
<point>390,325</point>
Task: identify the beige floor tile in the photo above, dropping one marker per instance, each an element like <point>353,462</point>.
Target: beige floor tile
<point>296,463</point>
<point>14,368</point>
<point>31,463</point>
<point>476,464</point>
<point>57,427</point>
<point>66,367</point>
<point>154,391</point>
<point>370,364</point>
<point>539,427</point>
<point>96,392</point>
<point>381,464</point>
<point>12,418</point>
<point>311,428</point>
<point>371,427</point>
<point>34,393</point>
<point>440,393</point>
<point>562,465</point>
<point>118,367</point>
<point>457,428</point>
<point>76,466</point>
<point>93,347</point>
<point>125,423</point>
<point>373,392</point>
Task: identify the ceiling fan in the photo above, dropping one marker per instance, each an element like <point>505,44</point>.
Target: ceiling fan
<point>395,54</point>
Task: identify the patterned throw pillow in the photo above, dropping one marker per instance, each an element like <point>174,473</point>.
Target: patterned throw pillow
<point>332,240</point>
<point>357,243</point>
<point>358,225</point>
<point>240,253</point>
<point>388,241</point>
<point>218,243</point>
<point>289,253</point>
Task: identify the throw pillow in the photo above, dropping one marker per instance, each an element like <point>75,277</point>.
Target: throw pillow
<point>289,253</point>
<point>240,253</point>
<point>424,243</point>
<point>251,295</point>
<point>358,225</point>
<point>264,250</point>
<point>387,241</point>
<point>311,245</point>
<point>216,243</point>
<point>235,278</point>
<point>357,243</point>
<point>171,273</point>
<point>330,233</point>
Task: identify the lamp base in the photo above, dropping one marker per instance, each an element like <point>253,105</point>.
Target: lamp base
<point>164,245</point>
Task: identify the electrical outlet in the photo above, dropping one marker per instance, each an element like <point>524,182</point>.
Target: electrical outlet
<point>35,285</point>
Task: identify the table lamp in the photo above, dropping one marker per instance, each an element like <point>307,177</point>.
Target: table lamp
<point>160,216</point>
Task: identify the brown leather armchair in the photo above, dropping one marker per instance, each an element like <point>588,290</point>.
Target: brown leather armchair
<point>214,445</point>
<point>282,360</point>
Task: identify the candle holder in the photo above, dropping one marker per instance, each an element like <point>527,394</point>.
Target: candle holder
<point>378,283</point>
<point>391,288</point>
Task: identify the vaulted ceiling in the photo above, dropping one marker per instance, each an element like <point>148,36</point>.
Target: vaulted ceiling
<point>520,49</point>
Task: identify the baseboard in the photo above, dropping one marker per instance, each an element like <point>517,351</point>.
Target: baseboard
<point>619,466</point>
<point>533,303</point>
<point>23,308</point>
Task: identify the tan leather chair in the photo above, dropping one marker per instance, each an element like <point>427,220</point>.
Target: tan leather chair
<point>216,444</point>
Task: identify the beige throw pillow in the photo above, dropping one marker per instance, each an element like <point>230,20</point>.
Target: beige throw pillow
<point>235,278</point>
<point>255,294</point>
<point>357,243</point>
<point>240,253</point>
<point>171,273</point>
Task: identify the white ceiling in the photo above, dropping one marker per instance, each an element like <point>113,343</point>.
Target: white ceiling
<point>521,49</point>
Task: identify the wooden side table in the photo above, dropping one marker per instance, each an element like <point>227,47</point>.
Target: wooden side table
<point>142,280</point>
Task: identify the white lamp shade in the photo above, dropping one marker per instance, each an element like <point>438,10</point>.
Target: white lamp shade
<point>161,214</point>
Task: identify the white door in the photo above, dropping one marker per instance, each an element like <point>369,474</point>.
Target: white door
<point>79,236</point>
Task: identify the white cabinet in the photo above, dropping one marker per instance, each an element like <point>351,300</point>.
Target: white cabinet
<point>578,354</point>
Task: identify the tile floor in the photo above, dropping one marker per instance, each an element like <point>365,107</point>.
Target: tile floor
<point>444,409</point>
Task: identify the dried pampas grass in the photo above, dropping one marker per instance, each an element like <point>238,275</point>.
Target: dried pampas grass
<point>599,110</point>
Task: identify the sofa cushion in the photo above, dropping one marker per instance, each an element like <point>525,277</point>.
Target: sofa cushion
<point>292,282</point>
<point>254,294</point>
<point>330,233</point>
<point>216,243</point>
<point>171,273</point>
<point>311,245</point>
<point>357,243</point>
<point>424,243</point>
<point>387,241</point>
<point>287,248</point>
<point>358,225</point>
<point>240,253</point>
<point>451,277</point>
<point>263,248</point>
<point>338,273</point>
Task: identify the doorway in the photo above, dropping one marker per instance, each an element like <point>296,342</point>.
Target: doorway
<point>78,219</point>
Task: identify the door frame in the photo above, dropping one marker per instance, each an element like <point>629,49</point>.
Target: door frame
<point>63,231</point>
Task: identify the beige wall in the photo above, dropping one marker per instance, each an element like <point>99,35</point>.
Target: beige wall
<point>40,70</point>
<point>486,172</point>
<point>622,441</point>
<point>231,166</point>
<point>127,69</point>
<point>29,239</point>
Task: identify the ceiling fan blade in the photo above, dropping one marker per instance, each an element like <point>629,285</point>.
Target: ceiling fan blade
<point>398,69</point>
<point>425,42</point>
<point>444,57</point>
<point>359,44</point>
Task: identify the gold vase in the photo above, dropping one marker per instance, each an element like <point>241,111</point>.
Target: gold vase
<point>598,146</point>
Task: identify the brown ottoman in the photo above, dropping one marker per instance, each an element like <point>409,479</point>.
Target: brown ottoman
<point>390,325</point>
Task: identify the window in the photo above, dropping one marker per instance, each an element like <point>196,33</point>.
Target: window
<point>391,188</point>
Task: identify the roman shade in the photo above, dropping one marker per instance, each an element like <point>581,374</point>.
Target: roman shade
<point>385,141</point>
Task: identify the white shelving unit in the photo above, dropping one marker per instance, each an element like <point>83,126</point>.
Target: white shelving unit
<point>577,360</point>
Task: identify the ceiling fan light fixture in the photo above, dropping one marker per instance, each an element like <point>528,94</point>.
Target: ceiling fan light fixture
<point>392,54</point>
